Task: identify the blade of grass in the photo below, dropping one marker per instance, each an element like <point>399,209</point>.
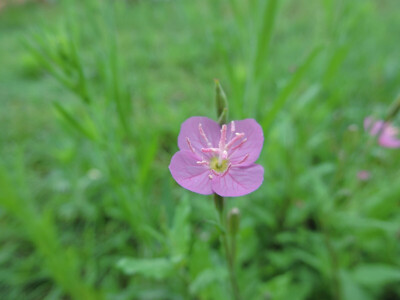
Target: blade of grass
<point>73,122</point>
<point>264,36</point>
<point>335,62</point>
<point>81,86</point>
<point>260,57</point>
<point>35,49</point>
<point>289,88</point>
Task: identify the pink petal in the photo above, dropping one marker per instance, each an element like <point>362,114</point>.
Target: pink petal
<point>238,181</point>
<point>190,129</point>
<point>363,175</point>
<point>373,127</point>
<point>387,132</point>
<point>391,130</point>
<point>190,175</point>
<point>253,145</point>
<point>387,140</point>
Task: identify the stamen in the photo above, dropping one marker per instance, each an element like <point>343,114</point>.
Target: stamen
<point>209,150</point>
<point>202,162</point>
<point>190,145</point>
<point>226,171</point>
<point>240,145</point>
<point>210,176</point>
<point>234,140</point>
<point>243,160</point>
<point>203,134</point>
<point>233,126</point>
<point>222,141</point>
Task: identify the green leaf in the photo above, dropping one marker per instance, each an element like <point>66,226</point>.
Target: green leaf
<point>150,149</point>
<point>376,274</point>
<point>153,233</point>
<point>154,268</point>
<point>179,234</point>
<point>206,278</point>
<point>283,287</point>
<point>217,225</point>
<point>289,88</point>
<point>350,289</point>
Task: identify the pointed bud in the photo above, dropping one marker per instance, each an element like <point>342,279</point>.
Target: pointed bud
<point>234,221</point>
<point>394,110</point>
<point>222,103</point>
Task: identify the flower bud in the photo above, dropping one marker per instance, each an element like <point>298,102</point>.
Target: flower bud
<point>222,103</point>
<point>234,221</point>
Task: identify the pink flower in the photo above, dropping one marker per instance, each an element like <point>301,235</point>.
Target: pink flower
<point>218,160</point>
<point>386,131</point>
<point>363,175</point>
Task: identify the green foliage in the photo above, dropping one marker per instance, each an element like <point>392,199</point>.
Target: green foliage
<point>92,97</point>
<point>155,268</point>
<point>376,274</point>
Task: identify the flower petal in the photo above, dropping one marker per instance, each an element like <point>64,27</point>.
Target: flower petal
<point>373,127</point>
<point>253,145</point>
<point>238,181</point>
<point>190,175</point>
<point>388,138</point>
<point>190,129</point>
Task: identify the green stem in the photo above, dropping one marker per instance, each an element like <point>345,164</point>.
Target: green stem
<point>335,267</point>
<point>336,286</point>
<point>229,252</point>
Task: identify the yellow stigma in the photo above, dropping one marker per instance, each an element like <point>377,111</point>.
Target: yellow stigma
<point>220,168</point>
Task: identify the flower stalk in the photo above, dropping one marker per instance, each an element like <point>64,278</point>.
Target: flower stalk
<point>229,248</point>
<point>233,227</point>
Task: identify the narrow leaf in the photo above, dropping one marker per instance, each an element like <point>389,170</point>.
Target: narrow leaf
<point>73,122</point>
<point>289,88</point>
<point>155,268</point>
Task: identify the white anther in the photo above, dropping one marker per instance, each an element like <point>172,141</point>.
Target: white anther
<point>210,176</point>
<point>233,126</point>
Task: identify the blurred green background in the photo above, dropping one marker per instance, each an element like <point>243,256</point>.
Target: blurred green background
<point>92,97</point>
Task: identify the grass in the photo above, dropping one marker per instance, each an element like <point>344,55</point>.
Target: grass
<point>92,100</point>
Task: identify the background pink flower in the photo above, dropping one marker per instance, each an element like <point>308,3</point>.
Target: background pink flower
<point>387,133</point>
<point>363,175</point>
<point>215,159</point>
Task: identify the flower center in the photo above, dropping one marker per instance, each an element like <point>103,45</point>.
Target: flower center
<point>219,163</point>
<point>217,166</point>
